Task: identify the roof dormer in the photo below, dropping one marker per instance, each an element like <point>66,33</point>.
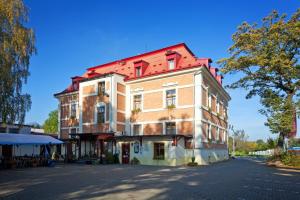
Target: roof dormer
<point>140,67</point>
<point>75,82</point>
<point>172,59</point>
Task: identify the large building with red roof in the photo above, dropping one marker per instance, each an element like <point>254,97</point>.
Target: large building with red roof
<point>162,107</point>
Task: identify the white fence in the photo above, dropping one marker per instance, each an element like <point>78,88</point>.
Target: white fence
<point>268,152</point>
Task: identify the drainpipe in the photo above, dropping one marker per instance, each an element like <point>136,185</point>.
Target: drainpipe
<point>194,132</point>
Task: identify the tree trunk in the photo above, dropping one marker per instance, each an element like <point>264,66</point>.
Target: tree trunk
<point>280,140</point>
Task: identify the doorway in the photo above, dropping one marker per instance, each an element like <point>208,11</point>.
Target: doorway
<point>125,153</point>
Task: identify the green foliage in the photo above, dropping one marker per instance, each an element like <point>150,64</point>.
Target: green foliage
<point>135,161</point>
<point>116,159</point>
<point>170,107</point>
<point>136,111</point>
<point>110,159</point>
<point>290,159</point>
<point>294,142</point>
<point>17,46</point>
<point>51,124</point>
<point>271,143</point>
<point>267,57</point>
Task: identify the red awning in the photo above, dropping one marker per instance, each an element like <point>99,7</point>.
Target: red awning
<point>105,136</point>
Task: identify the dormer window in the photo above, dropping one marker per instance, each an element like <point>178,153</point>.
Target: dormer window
<point>172,59</point>
<point>140,67</point>
<point>171,64</point>
<point>138,71</point>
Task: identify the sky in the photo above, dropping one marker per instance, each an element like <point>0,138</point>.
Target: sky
<point>73,35</point>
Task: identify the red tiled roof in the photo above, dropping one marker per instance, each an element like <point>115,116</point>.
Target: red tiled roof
<point>157,64</point>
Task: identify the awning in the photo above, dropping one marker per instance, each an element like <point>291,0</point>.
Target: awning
<point>11,139</point>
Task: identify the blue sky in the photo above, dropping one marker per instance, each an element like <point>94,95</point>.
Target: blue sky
<point>74,35</point>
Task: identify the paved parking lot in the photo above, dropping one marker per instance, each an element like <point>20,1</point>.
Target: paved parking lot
<point>235,179</point>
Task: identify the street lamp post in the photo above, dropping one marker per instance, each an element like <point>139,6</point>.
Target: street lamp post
<point>233,143</point>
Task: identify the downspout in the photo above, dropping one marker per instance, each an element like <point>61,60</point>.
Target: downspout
<point>111,104</point>
<point>194,132</point>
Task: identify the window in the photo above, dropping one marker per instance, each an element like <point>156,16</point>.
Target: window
<point>101,88</point>
<point>208,131</point>
<point>225,112</point>
<point>170,128</point>
<point>137,102</point>
<point>2,129</point>
<point>171,97</point>
<point>101,114</point>
<point>138,71</point>
<point>159,151</point>
<point>188,143</point>
<point>218,134</point>
<point>218,106</point>
<point>14,130</point>
<point>171,64</point>
<point>137,129</point>
<point>73,130</point>
<point>209,100</point>
<point>73,110</point>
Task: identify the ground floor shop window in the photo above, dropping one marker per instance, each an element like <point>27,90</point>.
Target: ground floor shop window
<point>188,143</point>
<point>159,151</point>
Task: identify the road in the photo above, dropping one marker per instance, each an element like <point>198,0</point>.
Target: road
<point>235,179</point>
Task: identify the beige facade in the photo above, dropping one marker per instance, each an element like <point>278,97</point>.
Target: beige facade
<point>185,110</point>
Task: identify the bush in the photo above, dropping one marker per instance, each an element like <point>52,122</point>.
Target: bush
<point>290,159</point>
<point>109,158</point>
<point>135,161</point>
<point>192,164</point>
<point>116,159</point>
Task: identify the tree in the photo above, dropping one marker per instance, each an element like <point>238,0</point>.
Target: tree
<point>267,56</point>
<point>16,47</point>
<point>261,145</point>
<point>271,143</point>
<point>51,124</point>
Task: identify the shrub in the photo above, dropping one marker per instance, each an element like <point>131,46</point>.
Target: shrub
<point>116,159</point>
<point>192,164</point>
<point>135,161</point>
<point>290,159</point>
<point>109,158</point>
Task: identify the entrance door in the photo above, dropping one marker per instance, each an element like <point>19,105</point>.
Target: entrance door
<point>69,151</point>
<point>7,151</point>
<point>125,153</point>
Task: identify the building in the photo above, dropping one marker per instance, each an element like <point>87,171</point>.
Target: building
<point>162,107</point>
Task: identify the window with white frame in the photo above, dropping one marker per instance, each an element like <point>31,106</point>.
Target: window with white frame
<point>138,71</point>
<point>209,99</point>
<point>171,64</point>
<point>137,129</point>
<point>101,114</point>
<point>218,134</point>
<point>170,128</point>
<point>73,113</point>
<point>101,88</point>
<point>225,136</point>
<point>208,131</point>
<point>218,106</point>
<point>137,102</point>
<point>171,97</point>
<point>225,112</point>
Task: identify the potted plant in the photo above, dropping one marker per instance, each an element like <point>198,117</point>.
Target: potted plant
<point>209,109</point>
<point>171,107</point>
<point>209,140</point>
<point>135,111</point>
